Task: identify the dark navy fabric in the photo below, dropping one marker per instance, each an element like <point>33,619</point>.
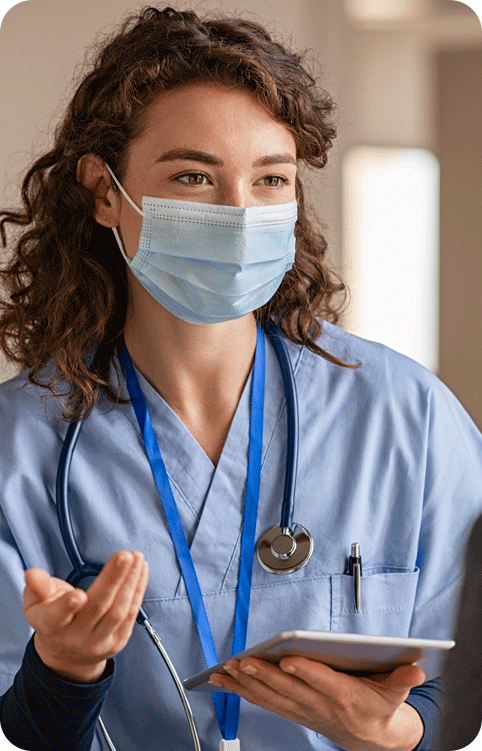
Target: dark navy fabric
<point>427,700</point>
<point>43,712</point>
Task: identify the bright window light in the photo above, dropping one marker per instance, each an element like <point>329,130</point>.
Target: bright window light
<point>384,10</point>
<point>391,248</point>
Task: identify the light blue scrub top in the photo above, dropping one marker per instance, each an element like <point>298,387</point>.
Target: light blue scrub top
<point>388,458</point>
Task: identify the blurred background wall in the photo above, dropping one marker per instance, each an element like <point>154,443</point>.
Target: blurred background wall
<point>401,195</point>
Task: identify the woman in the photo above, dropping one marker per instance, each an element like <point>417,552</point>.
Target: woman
<point>159,233</point>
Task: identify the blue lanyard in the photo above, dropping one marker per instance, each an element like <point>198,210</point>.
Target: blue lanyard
<point>227,706</point>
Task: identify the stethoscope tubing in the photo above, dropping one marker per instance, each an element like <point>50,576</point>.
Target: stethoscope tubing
<point>62,495</point>
<point>81,569</point>
<point>287,507</point>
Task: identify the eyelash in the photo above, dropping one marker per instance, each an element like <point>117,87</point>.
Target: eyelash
<point>282,180</point>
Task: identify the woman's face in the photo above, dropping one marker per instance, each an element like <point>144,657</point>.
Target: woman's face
<point>208,144</point>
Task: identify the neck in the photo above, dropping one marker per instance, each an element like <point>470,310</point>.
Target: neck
<point>199,370</point>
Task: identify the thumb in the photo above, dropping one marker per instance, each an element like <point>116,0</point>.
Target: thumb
<point>39,585</point>
<point>402,678</point>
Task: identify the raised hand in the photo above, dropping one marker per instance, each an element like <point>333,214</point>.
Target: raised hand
<point>76,632</point>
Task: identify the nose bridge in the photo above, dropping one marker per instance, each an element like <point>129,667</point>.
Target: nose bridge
<point>236,190</point>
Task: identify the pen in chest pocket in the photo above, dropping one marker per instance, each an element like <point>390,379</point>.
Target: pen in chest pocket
<point>355,570</point>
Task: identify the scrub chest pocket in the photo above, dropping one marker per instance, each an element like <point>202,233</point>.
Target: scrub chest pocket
<point>387,602</point>
<point>327,603</point>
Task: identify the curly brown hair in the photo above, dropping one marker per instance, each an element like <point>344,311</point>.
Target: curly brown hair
<point>66,280</point>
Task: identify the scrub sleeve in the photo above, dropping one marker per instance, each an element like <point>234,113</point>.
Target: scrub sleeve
<point>49,713</point>
<point>42,712</point>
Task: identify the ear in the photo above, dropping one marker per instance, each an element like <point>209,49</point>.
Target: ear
<point>92,173</point>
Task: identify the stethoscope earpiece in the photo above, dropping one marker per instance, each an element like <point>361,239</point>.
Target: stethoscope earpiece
<point>282,551</point>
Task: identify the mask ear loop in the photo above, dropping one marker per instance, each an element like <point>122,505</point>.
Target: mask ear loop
<point>134,206</point>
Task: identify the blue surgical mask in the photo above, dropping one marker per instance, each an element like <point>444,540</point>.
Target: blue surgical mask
<point>207,263</point>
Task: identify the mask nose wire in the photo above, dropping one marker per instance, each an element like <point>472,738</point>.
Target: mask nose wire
<point>134,206</point>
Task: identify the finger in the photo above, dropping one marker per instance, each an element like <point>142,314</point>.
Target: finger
<point>317,675</point>
<point>66,607</point>
<point>102,592</point>
<point>112,574</point>
<point>269,684</point>
<point>125,630</point>
<point>139,591</point>
<point>39,585</point>
<point>121,609</point>
<point>393,686</point>
<point>48,617</point>
<point>257,692</point>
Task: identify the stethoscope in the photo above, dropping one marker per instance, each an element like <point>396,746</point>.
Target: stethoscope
<point>282,549</point>
<point>287,546</point>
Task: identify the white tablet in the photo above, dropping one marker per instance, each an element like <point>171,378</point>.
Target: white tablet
<point>350,653</point>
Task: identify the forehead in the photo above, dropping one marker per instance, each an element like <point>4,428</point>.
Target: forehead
<point>208,115</point>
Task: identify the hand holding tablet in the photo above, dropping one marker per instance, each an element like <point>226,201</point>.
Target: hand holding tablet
<point>349,653</point>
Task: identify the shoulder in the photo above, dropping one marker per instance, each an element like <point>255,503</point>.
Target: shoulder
<point>22,401</point>
<point>31,429</point>
<point>31,415</point>
<point>386,384</point>
<point>374,364</point>
<point>372,357</point>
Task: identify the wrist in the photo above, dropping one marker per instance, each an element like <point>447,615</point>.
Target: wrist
<point>405,730</point>
<point>69,670</point>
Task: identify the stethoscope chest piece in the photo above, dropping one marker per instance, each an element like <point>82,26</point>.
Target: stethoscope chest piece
<point>282,551</point>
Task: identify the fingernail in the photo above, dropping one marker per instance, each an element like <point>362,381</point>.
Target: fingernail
<point>214,682</point>
<point>288,669</point>
<point>229,668</point>
<point>124,558</point>
<point>249,669</point>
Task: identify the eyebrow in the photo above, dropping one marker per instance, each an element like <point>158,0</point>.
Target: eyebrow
<point>204,158</point>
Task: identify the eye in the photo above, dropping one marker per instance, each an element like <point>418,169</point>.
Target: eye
<point>274,181</point>
<point>193,178</point>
